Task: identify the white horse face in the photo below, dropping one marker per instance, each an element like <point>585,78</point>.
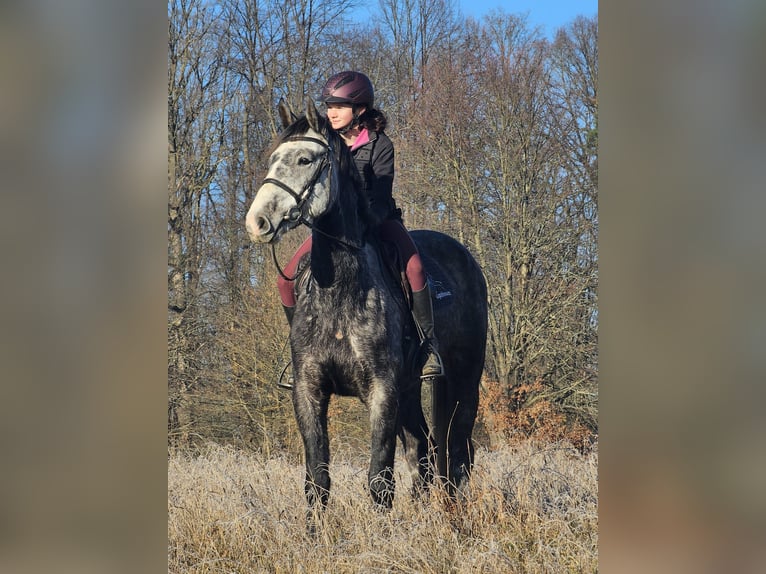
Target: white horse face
<point>298,185</point>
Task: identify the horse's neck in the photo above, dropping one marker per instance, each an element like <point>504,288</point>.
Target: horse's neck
<point>337,256</point>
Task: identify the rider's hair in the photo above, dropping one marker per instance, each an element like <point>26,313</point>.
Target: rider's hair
<point>373,120</point>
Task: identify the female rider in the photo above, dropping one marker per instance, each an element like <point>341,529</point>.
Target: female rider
<point>349,98</point>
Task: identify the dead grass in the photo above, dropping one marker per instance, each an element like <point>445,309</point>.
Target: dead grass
<point>531,508</point>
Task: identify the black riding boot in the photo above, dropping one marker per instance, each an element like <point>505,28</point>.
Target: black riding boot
<point>423,311</point>
<point>289,312</point>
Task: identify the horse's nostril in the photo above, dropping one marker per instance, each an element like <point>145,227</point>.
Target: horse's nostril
<point>262,225</point>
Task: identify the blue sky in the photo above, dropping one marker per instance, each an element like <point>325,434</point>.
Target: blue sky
<point>549,14</point>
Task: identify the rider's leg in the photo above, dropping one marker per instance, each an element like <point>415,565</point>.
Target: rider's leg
<point>422,308</point>
<point>287,294</point>
<point>285,285</point>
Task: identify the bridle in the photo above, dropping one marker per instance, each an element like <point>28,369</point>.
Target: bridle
<point>295,214</point>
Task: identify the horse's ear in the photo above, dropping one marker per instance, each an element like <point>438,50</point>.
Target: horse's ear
<point>285,114</point>
<point>312,114</point>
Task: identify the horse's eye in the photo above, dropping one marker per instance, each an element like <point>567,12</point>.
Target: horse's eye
<point>304,161</point>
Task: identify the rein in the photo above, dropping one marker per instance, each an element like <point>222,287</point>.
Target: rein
<point>296,213</point>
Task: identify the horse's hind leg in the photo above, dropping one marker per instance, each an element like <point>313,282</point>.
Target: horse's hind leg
<point>414,436</point>
<point>383,419</point>
<point>461,449</point>
<point>461,463</point>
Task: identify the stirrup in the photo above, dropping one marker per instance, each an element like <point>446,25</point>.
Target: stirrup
<point>431,376</point>
<point>290,380</point>
<point>435,368</point>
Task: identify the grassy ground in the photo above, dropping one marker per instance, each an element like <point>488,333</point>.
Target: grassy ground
<point>531,508</point>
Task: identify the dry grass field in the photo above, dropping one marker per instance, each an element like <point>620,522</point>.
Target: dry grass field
<point>532,508</point>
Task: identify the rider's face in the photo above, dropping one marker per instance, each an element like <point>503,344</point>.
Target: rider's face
<point>340,115</point>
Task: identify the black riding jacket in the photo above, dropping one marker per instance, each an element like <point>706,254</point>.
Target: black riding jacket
<point>375,163</point>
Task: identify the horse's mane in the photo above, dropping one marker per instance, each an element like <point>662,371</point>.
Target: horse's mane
<point>349,179</point>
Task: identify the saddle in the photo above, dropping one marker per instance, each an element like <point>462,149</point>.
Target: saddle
<point>392,261</point>
<point>441,294</point>
<point>392,264</point>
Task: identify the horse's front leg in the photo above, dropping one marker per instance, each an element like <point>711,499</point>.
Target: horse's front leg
<point>383,421</point>
<point>311,414</point>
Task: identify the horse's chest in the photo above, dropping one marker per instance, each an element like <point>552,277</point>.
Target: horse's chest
<point>339,336</point>
<point>351,327</point>
<point>344,339</point>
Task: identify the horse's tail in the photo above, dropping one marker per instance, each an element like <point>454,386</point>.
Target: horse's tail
<point>441,415</point>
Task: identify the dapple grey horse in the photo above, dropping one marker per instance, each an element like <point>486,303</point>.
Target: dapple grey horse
<point>352,333</point>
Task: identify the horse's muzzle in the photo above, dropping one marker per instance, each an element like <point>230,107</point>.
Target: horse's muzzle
<point>259,228</point>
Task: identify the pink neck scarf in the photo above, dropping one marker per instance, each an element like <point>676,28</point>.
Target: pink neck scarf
<point>361,139</point>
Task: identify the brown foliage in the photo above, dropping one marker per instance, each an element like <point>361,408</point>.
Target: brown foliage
<point>524,412</point>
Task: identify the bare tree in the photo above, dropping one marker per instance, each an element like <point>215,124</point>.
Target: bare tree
<point>496,137</point>
<point>418,30</point>
<point>492,163</point>
<point>575,71</point>
<point>195,131</point>
<point>229,64</point>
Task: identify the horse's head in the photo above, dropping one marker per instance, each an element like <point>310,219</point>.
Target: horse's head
<point>298,185</point>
